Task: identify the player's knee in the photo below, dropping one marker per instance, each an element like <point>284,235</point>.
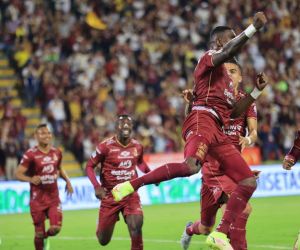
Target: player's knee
<point>102,240</point>
<point>249,182</point>
<point>39,235</point>
<point>193,164</point>
<point>248,209</point>
<point>54,230</point>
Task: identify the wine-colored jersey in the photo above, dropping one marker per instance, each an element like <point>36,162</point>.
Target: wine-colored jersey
<point>213,87</point>
<point>46,166</point>
<point>238,127</point>
<point>118,162</point>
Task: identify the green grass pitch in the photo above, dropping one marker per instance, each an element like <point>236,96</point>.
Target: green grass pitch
<point>273,224</point>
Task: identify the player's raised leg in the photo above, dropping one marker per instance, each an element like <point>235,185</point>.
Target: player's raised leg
<point>195,151</point>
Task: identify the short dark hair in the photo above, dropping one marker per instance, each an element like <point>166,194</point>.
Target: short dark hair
<point>41,125</point>
<point>235,61</point>
<point>217,30</point>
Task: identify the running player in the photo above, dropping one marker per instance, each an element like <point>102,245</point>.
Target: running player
<point>215,185</point>
<point>214,103</point>
<point>40,167</point>
<point>118,157</point>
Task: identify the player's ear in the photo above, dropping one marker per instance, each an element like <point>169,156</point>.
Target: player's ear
<point>218,42</point>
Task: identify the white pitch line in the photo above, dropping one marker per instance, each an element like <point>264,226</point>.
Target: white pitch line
<point>264,247</point>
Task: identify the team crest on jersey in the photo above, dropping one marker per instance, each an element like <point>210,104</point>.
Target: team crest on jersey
<point>124,153</point>
<point>201,151</point>
<point>47,159</point>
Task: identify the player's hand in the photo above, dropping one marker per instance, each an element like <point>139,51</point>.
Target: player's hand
<point>188,95</point>
<point>36,180</point>
<point>243,142</point>
<point>259,20</point>
<point>69,188</point>
<point>261,81</point>
<point>288,162</point>
<point>256,173</point>
<point>100,193</point>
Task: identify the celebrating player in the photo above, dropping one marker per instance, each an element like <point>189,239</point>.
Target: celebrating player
<point>118,157</point>
<point>214,103</point>
<point>215,185</point>
<point>40,167</point>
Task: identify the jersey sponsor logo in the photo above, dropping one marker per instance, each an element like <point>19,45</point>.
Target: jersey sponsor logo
<point>47,159</point>
<point>48,169</point>
<point>125,164</point>
<point>48,178</point>
<point>123,174</point>
<point>125,154</point>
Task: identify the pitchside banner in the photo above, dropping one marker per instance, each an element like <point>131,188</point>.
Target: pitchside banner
<point>273,181</point>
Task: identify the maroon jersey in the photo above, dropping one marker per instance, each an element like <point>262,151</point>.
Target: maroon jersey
<point>213,87</point>
<point>45,165</point>
<point>118,162</point>
<point>237,127</point>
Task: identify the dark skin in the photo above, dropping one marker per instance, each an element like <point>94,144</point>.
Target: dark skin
<point>227,46</point>
<point>134,223</point>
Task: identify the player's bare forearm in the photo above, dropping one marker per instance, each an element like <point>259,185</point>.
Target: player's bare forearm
<point>63,174</point>
<point>252,128</point>
<point>241,106</point>
<point>229,50</point>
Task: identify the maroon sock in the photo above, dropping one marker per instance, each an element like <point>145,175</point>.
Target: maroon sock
<point>235,206</point>
<point>137,242</point>
<point>163,173</point>
<point>38,243</point>
<point>237,232</point>
<point>194,228</point>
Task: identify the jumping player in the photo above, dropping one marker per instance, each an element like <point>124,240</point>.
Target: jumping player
<point>214,103</point>
<point>216,187</point>
<point>118,157</point>
<point>40,166</point>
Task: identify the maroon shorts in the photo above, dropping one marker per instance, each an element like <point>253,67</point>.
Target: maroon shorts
<point>40,212</point>
<point>203,136</point>
<point>109,210</point>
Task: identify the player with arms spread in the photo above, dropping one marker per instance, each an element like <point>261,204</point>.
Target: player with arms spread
<point>118,157</point>
<point>40,166</point>
<point>214,103</point>
<point>216,186</point>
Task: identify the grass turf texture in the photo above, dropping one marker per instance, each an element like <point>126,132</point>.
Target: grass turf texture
<point>273,224</point>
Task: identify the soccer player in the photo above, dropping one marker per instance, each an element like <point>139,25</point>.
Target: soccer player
<point>40,166</point>
<point>118,157</point>
<point>216,187</point>
<point>214,103</point>
<point>288,162</point>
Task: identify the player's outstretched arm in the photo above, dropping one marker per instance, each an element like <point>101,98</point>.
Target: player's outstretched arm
<point>243,104</point>
<point>293,155</point>
<point>252,137</point>
<point>21,176</point>
<point>231,48</point>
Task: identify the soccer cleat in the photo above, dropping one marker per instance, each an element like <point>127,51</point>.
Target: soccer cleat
<point>46,244</point>
<point>122,190</point>
<point>185,238</point>
<point>218,241</point>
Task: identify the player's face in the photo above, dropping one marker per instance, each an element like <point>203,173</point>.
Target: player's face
<point>43,136</point>
<point>124,126</point>
<point>234,73</point>
<point>226,37</point>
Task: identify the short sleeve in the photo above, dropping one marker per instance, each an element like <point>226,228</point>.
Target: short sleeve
<point>205,63</point>
<point>26,160</point>
<point>99,154</point>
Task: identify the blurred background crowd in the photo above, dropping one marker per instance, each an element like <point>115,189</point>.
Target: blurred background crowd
<point>82,62</point>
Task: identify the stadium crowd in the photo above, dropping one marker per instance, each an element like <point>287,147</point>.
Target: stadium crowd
<point>84,61</point>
